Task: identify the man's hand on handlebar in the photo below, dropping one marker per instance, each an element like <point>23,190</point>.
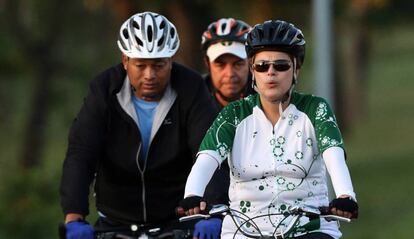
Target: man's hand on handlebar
<point>75,227</point>
<point>192,205</point>
<point>207,229</point>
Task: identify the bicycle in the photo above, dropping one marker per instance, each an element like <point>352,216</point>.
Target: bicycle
<point>183,231</point>
<point>241,220</point>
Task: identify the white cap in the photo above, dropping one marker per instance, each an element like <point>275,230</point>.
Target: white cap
<point>226,47</point>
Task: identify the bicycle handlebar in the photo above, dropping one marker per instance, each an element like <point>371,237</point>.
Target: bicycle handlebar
<point>296,212</point>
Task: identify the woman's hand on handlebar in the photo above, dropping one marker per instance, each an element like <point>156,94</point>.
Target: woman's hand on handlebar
<point>344,206</point>
<point>191,205</point>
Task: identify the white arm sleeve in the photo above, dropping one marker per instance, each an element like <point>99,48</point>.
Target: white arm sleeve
<point>200,175</point>
<point>334,158</point>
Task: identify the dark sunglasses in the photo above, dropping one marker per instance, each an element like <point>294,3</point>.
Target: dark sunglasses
<point>278,65</point>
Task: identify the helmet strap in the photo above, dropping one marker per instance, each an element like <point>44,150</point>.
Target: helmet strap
<point>253,79</point>
<point>294,80</point>
<point>295,73</point>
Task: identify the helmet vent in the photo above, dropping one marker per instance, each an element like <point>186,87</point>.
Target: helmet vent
<point>272,33</point>
<point>149,33</point>
<point>125,33</point>
<point>223,27</point>
<point>283,32</point>
<point>122,44</point>
<point>139,41</point>
<point>162,25</point>
<point>261,34</point>
<point>175,45</point>
<point>300,37</point>
<point>135,24</point>
<point>172,32</point>
<point>160,41</point>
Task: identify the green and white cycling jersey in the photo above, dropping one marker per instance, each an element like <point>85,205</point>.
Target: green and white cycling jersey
<point>274,167</point>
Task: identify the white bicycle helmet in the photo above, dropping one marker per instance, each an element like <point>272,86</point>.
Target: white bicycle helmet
<point>148,35</point>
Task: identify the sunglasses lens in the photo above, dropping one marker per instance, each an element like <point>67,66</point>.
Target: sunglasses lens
<point>282,66</point>
<point>261,67</point>
<point>279,65</point>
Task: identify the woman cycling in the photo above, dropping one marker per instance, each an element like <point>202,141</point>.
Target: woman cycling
<point>279,143</point>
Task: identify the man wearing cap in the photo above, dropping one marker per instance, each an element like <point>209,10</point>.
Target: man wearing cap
<point>225,57</point>
<point>228,79</point>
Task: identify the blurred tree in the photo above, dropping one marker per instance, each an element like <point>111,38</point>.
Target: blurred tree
<point>353,48</point>
<point>191,19</point>
<point>35,29</point>
<point>46,47</point>
<point>49,43</point>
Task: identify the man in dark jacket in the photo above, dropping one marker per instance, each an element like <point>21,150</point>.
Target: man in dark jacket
<point>228,76</point>
<point>136,134</point>
<point>228,80</point>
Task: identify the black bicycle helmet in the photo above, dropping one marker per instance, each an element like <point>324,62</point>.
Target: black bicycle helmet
<point>277,35</point>
<point>224,29</point>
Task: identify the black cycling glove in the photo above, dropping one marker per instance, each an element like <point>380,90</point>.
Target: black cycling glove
<point>345,204</point>
<point>190,202</point>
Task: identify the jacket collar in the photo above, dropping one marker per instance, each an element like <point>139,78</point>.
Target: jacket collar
<point>164,106</point>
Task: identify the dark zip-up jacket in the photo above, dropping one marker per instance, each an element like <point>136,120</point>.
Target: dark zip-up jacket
<point>217,190</point>
<point>105,145</point>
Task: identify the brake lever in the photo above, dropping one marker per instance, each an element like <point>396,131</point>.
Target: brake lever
<point>193,217</point>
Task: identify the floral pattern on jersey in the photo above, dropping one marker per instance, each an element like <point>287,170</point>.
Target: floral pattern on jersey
<point>288,177</point>
<point>219,137</point>
<point>278,150</point>
<point>299,155</point>
<point>245,206</point>
<point>309,142</point>
<point>327,141</point>
<point>223,150</point>
<point>235,172</point>
<point>328,134</point>
<point>292,118</point>
<point>285,184</point>
<point>321,111</point>
<point>222,147</point>
<point>281,209</point>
